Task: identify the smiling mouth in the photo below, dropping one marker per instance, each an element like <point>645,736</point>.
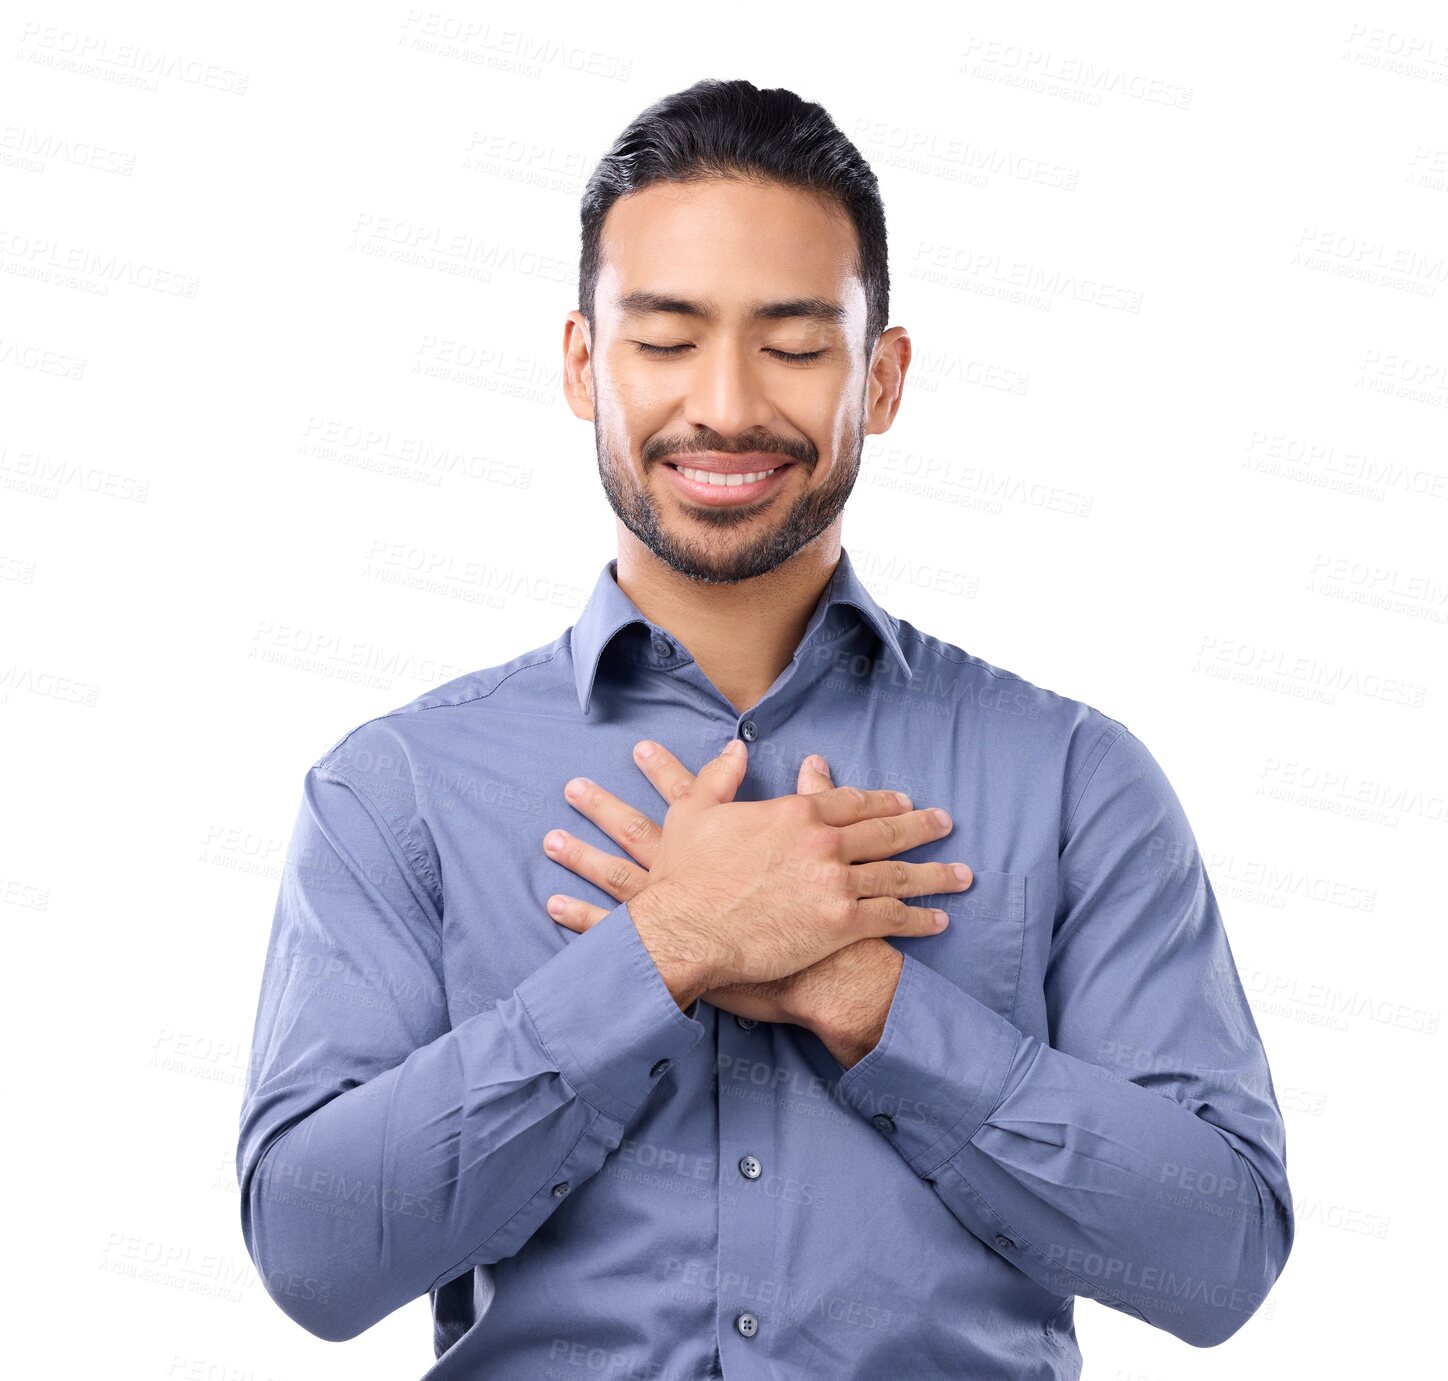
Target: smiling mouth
<point>719,481</point>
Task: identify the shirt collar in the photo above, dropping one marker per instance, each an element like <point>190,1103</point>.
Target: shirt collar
<point>609,610</point>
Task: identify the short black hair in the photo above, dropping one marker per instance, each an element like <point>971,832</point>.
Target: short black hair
<point>733,129</point>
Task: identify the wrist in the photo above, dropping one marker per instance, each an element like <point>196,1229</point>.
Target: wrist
<point>683,963</point>
<point>848,1006</point>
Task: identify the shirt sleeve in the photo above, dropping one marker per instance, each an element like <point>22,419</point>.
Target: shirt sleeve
<point>383,1151</point>
<point>1139,1158</point>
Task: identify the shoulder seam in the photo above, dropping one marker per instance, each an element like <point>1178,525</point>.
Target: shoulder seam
<point>1087,771</point>
<point>415,860</point>
<point>420,709</point>
<point>966,660</point>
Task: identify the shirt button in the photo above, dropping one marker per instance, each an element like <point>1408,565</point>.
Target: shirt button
<point>750,1168</point>
<point>747,1324</point>
<point>1004,1242</point>
<point>747,1023</point>
<point>885,1123</point>
<point>748,732</point>
<point>559,1190</point>
<point>662,646</point>
<point>659,1068</point>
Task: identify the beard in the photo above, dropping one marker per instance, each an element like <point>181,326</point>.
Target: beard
<point>761,543</point>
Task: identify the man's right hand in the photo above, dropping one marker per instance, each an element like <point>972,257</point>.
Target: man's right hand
<point>752,891</point>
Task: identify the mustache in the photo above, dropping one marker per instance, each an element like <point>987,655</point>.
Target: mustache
<point>802,451</point>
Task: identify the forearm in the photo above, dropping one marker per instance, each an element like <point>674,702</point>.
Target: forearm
<point>1088,1183</point>
<point>1121,1193</point>
<point>443,1162</point>
<point>362,1191</point>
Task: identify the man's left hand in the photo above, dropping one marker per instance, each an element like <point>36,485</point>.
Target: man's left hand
<point>835,997</point>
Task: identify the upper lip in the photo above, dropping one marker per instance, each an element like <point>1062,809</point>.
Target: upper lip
<point>717,463</point>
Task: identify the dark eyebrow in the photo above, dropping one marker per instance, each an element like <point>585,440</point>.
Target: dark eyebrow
<point>642,302</point>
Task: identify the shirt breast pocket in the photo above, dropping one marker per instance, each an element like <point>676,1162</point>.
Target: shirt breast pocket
<point>982,948</point>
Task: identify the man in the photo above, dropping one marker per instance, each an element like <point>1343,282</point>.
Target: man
<point>745,1108</point>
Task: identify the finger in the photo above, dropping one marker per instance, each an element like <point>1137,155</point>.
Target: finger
<point>886,916</point>
<point>618,820</point>
<point>845,805</point>
<point>617,876</point>
<point>575,914</point>
<point>670,778</point>
<point>721,776</point>
<point>896,878</point>
<point>888,835</point>
<point>814,776</point>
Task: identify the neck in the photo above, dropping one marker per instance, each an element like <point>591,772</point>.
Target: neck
<point>741,635</point>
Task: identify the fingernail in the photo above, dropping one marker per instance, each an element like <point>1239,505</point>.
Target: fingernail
<point>962,872</point>
<point>735,745</point>
<point>555,906</point>
<point>941,920</point>
<point>941,817</point>
<point>553,841</point>
<point>904,800</point>
<point>646,748</point>
<point>574,789</point>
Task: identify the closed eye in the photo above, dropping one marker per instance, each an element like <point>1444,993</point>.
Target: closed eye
<point>801,358</point>
<point>673,350</point>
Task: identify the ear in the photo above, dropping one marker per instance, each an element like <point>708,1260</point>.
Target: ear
<point>578,365</point>
<point>886,383</point>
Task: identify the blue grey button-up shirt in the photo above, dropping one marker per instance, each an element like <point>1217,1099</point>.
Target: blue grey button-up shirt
<point>452,1094</point>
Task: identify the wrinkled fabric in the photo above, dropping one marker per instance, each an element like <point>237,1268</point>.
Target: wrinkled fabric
<point>450,1094</point>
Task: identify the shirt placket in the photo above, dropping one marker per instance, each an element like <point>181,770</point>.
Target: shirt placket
<point>748,1084</point>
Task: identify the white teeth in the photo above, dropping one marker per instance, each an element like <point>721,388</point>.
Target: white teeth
<point>724,481</point>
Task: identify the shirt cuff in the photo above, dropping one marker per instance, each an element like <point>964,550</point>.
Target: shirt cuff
<point>606,1016</point>
<point>937,1071</point>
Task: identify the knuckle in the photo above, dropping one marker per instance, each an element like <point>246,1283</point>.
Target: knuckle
<point>638,828</point>
<point>800,810</point>
<point>840,909</point>
<point>827,877</point>
<point>617,877</point>
<point>891,832</point>
<point>819,840</point>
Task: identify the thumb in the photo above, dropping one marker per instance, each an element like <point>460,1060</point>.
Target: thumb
<point>721,776</point>
<point>814,775</point>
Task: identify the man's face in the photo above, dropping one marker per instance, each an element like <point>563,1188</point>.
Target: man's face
<point>724,386</point>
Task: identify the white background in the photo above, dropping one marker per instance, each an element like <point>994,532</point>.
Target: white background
<point>283,444</point>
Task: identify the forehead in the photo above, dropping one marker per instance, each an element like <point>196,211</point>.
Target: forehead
<point>729,245</point>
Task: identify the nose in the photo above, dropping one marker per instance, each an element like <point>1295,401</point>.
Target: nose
<point>725,393</point>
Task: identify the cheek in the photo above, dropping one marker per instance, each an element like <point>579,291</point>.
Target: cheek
<point>647,397</point>
<point>835,433</point>
<point>625,415</point>
<point>826,411</point>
